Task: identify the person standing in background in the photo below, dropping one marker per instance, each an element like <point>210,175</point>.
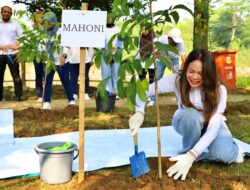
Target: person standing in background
<point>74,60</point>
<point>61,62</point>
<point>173,38</point>
<point>10,32</point>
<point>39,67</point>
<point>145,52</point>
<point>111,70</point>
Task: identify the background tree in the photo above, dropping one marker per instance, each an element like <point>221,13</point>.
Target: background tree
<point>201,19</point>
<point>58,5</point>
<point>228,25</point>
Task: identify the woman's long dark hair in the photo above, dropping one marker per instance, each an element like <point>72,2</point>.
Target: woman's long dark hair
<point>210,82</point>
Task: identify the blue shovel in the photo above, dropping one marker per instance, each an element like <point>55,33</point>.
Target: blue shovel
<point>138,161</point>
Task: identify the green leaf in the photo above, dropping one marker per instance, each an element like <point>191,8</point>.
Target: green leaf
<point>121,72</point>
<point>44,56</point>
<point>98,59</point>
<point>120,88</point>
<point>118,55</point>
<point>32,56</point>
<point>107,56</point>
<point>115,5</point>
<point>101,88</point>
<point>129,66</point>
<point>148,63</point>
<point>137,66</point>
<point>125,8</point>
<point>131,92</point>
<point>140,90</point>
<point>130,30</point>
<point>145,84</point>
<point>180,6</point>
<point>126,41</point>
<point>165,61</point>
<point>136,41</point>
<point>131,106</point>
<point>165,47</point>
<point>175,16</point>
<point>124,26</point>
<point>110,42</point>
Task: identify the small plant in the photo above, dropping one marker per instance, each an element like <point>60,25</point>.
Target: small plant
<point>134,14</point>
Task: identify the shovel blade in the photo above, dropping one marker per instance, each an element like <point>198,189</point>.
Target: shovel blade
<point>139,164</point>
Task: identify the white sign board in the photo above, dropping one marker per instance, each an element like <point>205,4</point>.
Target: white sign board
<point>83,28</point>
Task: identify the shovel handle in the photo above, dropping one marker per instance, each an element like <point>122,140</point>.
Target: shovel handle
<point>135,137</point>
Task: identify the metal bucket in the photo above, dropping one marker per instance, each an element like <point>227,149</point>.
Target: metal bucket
<point>56,166</point>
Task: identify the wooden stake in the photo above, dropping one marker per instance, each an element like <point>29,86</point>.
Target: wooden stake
<point>82,108</point>
<point>157,107</point>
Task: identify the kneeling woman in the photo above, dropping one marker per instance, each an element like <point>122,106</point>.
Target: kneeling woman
<point>199,119</point>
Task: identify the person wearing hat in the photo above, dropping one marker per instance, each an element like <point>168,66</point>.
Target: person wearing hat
<point>10,32</point>
<point>173,38</point>
<point>61,62</point>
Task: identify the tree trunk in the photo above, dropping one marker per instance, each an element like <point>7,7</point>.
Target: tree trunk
<point>201,17</point>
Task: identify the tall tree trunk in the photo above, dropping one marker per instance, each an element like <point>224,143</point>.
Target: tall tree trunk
<point>234,25</point>
<point>201,17</point>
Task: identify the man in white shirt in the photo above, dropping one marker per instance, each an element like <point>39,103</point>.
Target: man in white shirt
<point>10,31</point>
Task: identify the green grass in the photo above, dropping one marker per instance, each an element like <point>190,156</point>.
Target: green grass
<point>242,82</point>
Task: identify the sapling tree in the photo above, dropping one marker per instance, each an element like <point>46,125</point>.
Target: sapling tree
<point>133,14</point>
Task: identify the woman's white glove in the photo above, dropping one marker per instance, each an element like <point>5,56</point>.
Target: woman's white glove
<point>182,166</point>
<point>135,122</point>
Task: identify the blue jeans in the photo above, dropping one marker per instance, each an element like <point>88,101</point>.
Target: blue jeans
<point>74,74</point>
<point>161,69</point>
<point>110,70</point>
<point>189,124</point>
<point>63,72</point>
<point>39,71</point>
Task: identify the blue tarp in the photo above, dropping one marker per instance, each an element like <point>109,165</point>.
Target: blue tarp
<point>103,149</point>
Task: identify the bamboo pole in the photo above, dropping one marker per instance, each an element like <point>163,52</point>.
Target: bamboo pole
<point>157,108</point>
<point>82,108</point>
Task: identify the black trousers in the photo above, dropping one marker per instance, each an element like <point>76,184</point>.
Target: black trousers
<point>151,73</point>
<point>13,65</point>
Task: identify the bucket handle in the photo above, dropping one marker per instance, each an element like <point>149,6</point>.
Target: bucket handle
<point>76,154</point>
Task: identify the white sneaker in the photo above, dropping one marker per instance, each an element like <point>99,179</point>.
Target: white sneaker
<point>87,97</point>
<point>72,102</point>
<point>46,106</point>
<point>240,157</point>
<point>117,97</point>
<point>148,99</point>
<point>151,103</point>
<point>75,96</point>
<point>39,99</point>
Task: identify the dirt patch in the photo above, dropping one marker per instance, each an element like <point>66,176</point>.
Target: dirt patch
<point>198,178</point>
<point>238,107</point>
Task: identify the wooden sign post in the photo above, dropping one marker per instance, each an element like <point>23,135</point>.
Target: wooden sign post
<point>82,107</point>
<point>82,28</point>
